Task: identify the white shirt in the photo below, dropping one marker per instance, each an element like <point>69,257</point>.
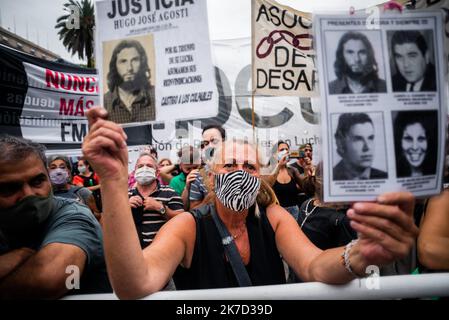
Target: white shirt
<point>416,87</point>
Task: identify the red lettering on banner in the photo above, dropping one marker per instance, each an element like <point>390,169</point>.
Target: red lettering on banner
<point>66,81</point>
<point>66,107</point>
<point>52,78</point>
<point>69,81</point>
<point>88,87</point>
<point>78,82</point>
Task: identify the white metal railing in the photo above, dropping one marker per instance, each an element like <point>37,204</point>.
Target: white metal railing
<point>390,287</point>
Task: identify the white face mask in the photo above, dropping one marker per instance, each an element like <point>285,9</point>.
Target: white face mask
<point>283,153</point>
<point>58,176</point>
<point>82,169</point>
<point>145,175</point>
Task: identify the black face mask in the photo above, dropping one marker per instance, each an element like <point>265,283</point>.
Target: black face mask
<point>26,215</point>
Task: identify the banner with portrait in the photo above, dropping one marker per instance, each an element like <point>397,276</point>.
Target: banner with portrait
<point>383,94</point>
<point>52,110</point>
<point>154,60</point>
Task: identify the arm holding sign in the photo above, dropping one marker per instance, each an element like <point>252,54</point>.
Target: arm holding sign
<point>433,240</point>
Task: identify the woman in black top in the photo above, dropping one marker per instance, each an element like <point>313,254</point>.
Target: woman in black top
<point>326,225</point>
<point>287,182</point>
<point>235,177</point>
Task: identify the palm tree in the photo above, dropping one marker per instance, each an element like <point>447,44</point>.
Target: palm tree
<point>78,40</point>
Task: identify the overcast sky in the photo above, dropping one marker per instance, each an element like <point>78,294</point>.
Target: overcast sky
<point>228,19</point>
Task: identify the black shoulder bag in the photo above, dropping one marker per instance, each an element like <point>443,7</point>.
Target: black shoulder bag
<point>231,251</point>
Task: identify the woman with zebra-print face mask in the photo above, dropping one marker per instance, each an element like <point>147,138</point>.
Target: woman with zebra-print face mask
<point>190,248</point>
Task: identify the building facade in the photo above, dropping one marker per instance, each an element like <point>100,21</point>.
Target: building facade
<point>14,41</point>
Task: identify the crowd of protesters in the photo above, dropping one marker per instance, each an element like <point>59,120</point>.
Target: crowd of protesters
<point>211,219</point>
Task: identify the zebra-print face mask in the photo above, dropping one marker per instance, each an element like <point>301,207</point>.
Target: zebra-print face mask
<point>237,190</point>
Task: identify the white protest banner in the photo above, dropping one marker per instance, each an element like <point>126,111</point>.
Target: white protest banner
<point>153,59</point>
<point>53,115</point>
<point>292,119</point>
<point>283,57</point>
<point>384,104</point>
<point>45,101</point>
<point>57,101</point>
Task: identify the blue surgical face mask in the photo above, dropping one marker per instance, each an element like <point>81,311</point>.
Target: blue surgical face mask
<point>82,169</point>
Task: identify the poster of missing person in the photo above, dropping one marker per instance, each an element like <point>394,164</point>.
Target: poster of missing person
<point>383,86</point>
<point>154,60</point>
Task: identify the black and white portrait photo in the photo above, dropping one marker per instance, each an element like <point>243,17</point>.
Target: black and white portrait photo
<point>360,146</point>
<point>128,81</point>
<point>355,63</point>
<point>415,142</point>
<point>412,60</point>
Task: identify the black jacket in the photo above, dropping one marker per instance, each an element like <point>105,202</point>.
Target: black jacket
<point>429,82</point>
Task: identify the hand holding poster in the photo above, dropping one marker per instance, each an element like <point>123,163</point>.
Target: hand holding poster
<point>384,111</point>
<point>154,59</point>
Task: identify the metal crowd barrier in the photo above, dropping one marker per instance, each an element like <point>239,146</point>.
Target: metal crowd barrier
<point>388,287</point>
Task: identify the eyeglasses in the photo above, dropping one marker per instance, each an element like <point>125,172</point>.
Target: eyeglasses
<point>205,143</point>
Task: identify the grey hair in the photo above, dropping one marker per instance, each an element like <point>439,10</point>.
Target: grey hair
<point>147,154</point>
<point>13,149</point>
<point>55,157</point>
